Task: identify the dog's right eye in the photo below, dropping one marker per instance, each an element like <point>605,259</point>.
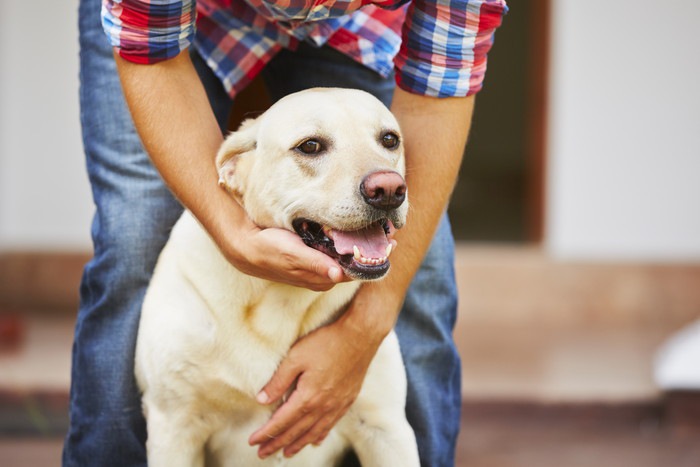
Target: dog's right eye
<point>310,146</point>
<point>390,140</point>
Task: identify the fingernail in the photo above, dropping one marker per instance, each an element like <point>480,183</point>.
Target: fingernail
<point>262,397</point>
<point>335,274</point>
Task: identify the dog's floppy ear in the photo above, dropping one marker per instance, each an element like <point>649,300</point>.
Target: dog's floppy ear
<point>229,160</point>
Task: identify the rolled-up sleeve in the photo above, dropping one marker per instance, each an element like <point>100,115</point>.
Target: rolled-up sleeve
<point>444,46</point>
<point>149,31</point>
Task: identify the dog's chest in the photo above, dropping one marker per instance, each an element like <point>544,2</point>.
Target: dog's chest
<point>280,314</point>
<point>263,329</point>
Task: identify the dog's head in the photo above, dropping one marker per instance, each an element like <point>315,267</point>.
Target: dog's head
<point>327,164</point>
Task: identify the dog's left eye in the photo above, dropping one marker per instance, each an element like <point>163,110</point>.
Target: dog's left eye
<point>390,140</point>
<point>310,146</point>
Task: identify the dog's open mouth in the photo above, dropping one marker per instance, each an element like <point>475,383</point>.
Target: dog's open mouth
<point>363,254</point>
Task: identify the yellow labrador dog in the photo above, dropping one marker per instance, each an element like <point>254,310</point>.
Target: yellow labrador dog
<point>327,164</point>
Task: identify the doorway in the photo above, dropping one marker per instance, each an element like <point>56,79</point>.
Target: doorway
<point>500,191</point>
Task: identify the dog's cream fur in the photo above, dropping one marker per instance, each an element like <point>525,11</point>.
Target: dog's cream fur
<point>211,336</point>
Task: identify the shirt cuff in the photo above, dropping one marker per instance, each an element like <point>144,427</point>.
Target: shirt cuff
<point>444,47</point>
<point>147,32</point>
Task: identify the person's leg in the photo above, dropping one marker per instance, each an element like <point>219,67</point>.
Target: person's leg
<point>433,366</point>
<point>134,214</point>
<point>134,211</point>
<point>429,313</point>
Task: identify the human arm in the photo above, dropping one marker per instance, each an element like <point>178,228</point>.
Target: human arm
<point>171,112</point>
<point>329,380</point>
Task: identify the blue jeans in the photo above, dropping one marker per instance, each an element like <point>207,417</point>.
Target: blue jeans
<point>134,214</point>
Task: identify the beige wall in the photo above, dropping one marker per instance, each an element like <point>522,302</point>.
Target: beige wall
<point>624,142</point>
<point>45,200</point>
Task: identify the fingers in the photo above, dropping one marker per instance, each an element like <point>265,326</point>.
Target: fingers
<point>281,256</point>
<point>336,275</point>
<point>315,435</point>
<point>329,370</point>
<point>278,255</point>
<point>286,430</point>
<point>283,429</point>
<point>298,437</point>
<point>280,383</point>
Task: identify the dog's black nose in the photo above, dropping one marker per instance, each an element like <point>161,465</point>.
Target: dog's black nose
<point>384,190</point>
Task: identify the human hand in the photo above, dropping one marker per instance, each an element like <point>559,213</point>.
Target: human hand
<point>281,256</point>
<point>329,366</point>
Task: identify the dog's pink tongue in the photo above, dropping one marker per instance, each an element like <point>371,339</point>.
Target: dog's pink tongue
<point>371,241</point>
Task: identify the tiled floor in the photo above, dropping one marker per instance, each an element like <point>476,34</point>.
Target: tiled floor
<point>530,437</point>
<point>615,436</point>
<point>30,452</point>
<point>41,358</point>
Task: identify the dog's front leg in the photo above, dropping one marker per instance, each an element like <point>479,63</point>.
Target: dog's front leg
<point>387,445</point>
<point>376,424</point>
<point>173,441</point>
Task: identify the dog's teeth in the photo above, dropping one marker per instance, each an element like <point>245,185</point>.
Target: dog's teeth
<point>388,250</point>
<point>328,231</point>
<point>368,261</point>
<point>373,261</point>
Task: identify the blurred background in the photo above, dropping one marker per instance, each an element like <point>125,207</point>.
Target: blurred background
<point>577,217</point>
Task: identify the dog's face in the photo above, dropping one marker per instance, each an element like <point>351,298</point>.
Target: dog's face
<point>329,165</point>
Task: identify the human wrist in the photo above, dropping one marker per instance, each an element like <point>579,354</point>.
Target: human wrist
<point>373,312</point>
<point>227,223</point>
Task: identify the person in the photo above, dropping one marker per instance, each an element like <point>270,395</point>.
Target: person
<point>155,94</point>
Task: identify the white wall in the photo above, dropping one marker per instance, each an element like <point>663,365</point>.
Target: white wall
<point>624,146</point>
<point>45,200</point>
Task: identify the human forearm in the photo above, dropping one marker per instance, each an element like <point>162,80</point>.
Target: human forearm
<point>178,130</point>
<point>434,133</point>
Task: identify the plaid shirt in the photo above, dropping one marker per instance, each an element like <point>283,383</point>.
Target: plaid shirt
<point>438,47</point>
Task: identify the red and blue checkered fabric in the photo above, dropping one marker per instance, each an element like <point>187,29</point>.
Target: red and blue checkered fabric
<point>438,47</point>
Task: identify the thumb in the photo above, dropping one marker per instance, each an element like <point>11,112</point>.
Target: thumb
<point>281,382</point>
<point>324,266</point>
